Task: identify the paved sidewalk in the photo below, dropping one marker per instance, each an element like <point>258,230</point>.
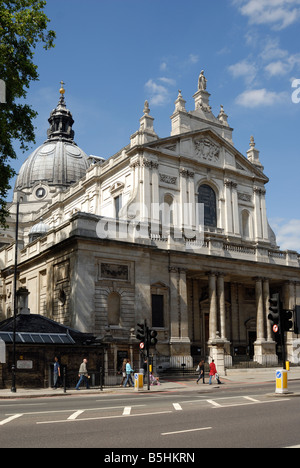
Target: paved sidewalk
<point>233,378</point>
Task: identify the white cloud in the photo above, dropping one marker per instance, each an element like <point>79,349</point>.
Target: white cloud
<point>244,69</point>
<point>287,233</point>
<point>193,58</point>
<point>283,67</point>
<point>167,81</point>
<point>159,91</point>
<point>159,94</point>
<point>279,14</point>
<point>260,97</point>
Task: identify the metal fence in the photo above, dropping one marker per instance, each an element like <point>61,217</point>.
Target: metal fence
<point>97,379</point>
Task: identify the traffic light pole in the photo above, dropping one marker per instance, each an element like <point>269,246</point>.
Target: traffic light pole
<point>282,339</point>
<point>148,355</point>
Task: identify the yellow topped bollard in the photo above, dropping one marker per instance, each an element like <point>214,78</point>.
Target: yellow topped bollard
<point>287,365</point>
<point>138,382</point>
<point>281,381</point>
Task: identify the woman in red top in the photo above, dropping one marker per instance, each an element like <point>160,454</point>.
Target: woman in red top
<point>213,372</point>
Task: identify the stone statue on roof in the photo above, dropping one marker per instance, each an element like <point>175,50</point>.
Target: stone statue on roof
<point>202,82</point>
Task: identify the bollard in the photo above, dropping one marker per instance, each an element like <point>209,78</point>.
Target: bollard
<point>281,381</point>
<point>138,382</point>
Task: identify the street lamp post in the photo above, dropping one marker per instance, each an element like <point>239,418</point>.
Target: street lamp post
<point>13,367</point>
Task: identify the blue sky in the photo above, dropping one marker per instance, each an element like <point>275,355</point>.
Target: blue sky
<point>114,54</point>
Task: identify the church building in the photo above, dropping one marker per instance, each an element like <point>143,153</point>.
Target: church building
<point>173,230</point>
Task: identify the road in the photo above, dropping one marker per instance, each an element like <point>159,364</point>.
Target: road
<point>249,417</point>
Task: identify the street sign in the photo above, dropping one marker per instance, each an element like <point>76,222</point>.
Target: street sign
<point>142,345</point>
<point>275,328</point>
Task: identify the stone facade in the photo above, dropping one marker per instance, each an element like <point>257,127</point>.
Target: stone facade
<point>171,230</point>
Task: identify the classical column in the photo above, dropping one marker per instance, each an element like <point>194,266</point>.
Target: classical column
<point>222,309</point>
<point>266,297</point>
<point>260,333</point>
<point>179,339</point>
<point>228,207</point>
<point>213,322</point>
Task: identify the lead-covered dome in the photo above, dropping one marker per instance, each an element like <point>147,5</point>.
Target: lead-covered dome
<point>59,162</point>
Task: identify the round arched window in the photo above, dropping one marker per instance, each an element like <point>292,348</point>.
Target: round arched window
<point>207,196</point>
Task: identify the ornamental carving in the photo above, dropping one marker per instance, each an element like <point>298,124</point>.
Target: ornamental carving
<point>112,271</point>
<point>244,197</point>
<point>167,179</point>
<point>207,150</point>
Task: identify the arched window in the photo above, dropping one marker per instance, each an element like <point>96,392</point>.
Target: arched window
<point>168,215</point>
<point>113,309</point>
<point>207,196</point>
<point>245,224</point>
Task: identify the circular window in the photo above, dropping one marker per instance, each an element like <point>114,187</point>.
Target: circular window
<point>40,192</point>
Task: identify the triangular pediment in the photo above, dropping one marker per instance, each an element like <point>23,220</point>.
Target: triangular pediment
<point>208,148</point>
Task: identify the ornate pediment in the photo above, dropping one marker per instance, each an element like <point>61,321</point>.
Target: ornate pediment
<point>206,150</point>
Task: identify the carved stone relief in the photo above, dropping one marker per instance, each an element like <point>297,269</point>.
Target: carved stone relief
<point>207,150</point>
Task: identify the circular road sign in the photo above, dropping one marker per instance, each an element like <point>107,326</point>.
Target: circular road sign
<point>142,345</point>
<point>275,328</point>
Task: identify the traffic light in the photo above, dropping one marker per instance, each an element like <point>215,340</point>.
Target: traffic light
<point>152,337</point>
<point>297,320</point>
<point>141,332</point>
<point>287,320</point>
<point>274,315</point>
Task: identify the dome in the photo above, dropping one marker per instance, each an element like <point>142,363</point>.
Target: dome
<point>58,162</point>
<point>55,163</point>
<point>38,230</point>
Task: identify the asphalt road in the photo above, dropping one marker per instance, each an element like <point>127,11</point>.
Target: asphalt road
<point>249,417</point>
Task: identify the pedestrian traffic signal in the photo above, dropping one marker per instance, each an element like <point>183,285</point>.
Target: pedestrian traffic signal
<point>153,335</point>
<point>287,320</point>
<point>274,314</point>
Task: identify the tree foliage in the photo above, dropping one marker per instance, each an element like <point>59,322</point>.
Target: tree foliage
<point>23,26</point>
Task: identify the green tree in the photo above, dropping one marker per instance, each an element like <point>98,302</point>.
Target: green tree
<point>23,26</point>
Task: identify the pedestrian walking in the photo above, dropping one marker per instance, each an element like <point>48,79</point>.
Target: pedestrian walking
<point>213,373</point>
<point>123,371</point>
<point>128,374</point>
<point>56,372</point>
<point>83,375</point>
<point>200,369</point>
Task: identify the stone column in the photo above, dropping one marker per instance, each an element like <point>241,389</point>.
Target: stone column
<point>216,343</point>
<point>213,322</point>
<point>266,297</point>
<point>222,309</point>
<point>264,351</point>
<point>179,340</point>
<point>260,333</point>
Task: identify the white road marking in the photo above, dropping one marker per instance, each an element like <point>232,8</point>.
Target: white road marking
<point>177,406</point>
<point>187,430</point>
<point>251,399</point>
<point>11,418</point>
<point>75,415</point>
<point>127,411</point>
<point>102,417</point>
<point>214,403</point>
